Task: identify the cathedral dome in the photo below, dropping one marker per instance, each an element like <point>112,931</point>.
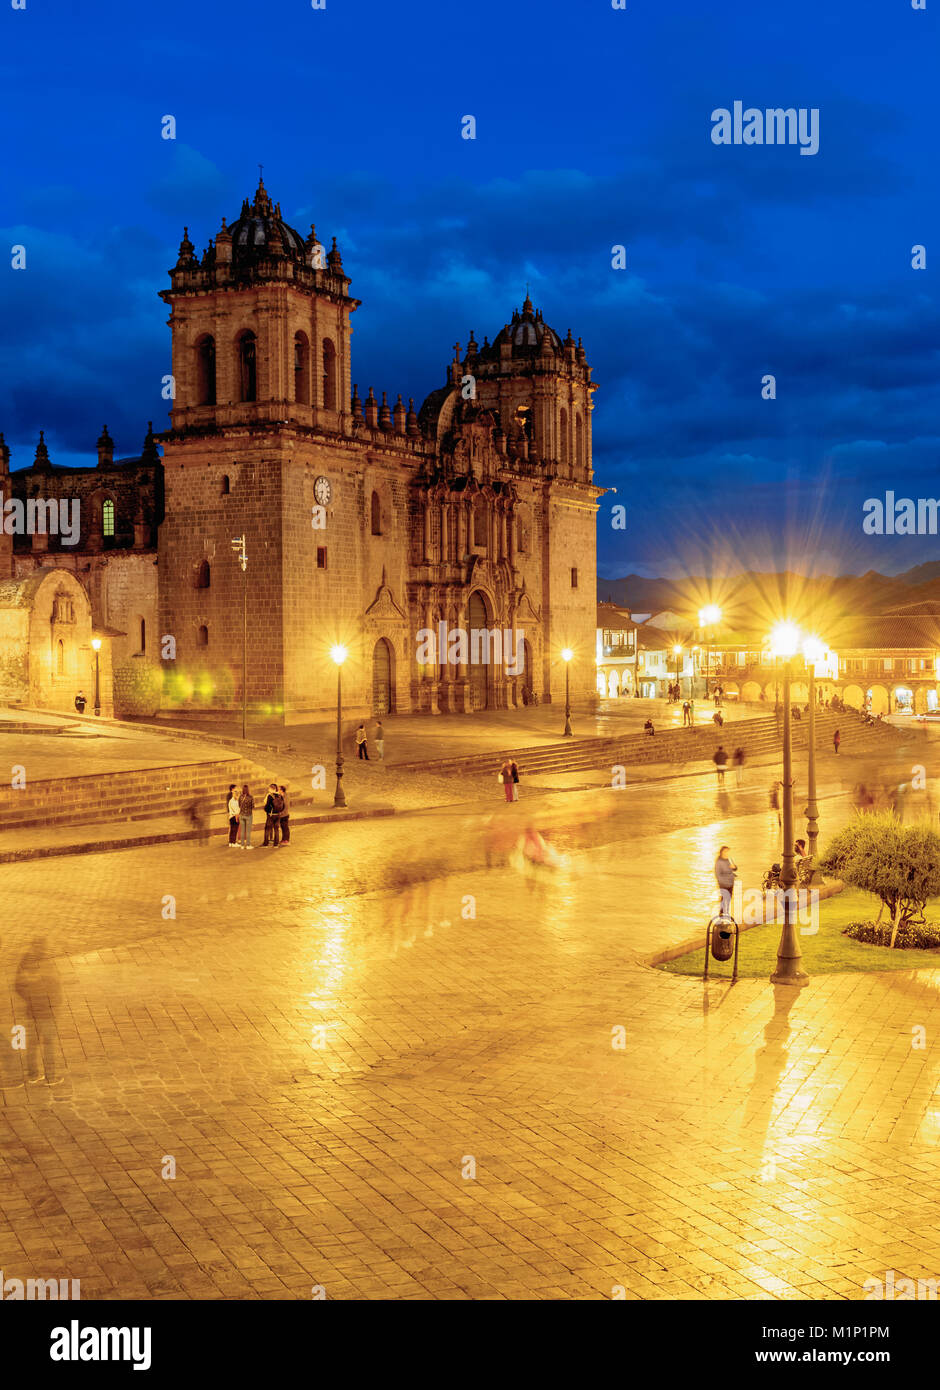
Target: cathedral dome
<point>260,230</point>
<point>527,333</point>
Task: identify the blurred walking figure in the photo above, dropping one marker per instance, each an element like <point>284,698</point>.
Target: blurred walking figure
<point>775,790</point>
<point>285,818</point>
<point>361,746</point>
<point>199,818</point>
<point>686,714</point>
<point>37,984</point>
<point>505,776</point>
<point>246,808</point>
<point>720,759</point>
<point>380,741</point>
<point>514,774</point>
<point>232,817</point>
<point>836,740</point>
<point>725,870</point>
<point>80,702</point>
<point>737,759</point>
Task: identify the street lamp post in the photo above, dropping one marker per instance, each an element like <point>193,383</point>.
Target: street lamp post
<point>786,638</point>
<point>708,617</point>
<point>96,644</point>
<point>677,652</point>
<point>238,545</point>
<point>339,655</point>
<point>812,652</point>
<point>566,656</point>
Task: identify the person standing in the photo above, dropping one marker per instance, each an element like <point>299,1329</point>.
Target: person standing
<point>775,790</point>
<point>725,870</point>
<point>361,746</point>
<point>232,818</point>
<point>80,702</point>
<point>686,714</point>
<point>737,758</point>
<point>720,759</point>
<point>272,817</point>
<point>505,776</point>
<point>514,774</point>
<point>836,740</point>
<point>285,818</point>
<point>380,741</point>
<point>246,809</point>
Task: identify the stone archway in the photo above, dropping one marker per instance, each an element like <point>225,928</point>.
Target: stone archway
<point>482,674</point>
<point>880,702</point>
<point>383,678</point>
<point>853,696</point>
<point>750,691</point>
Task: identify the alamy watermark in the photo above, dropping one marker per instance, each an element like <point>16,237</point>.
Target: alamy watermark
<point>42,516</point>
<point>41,1289</point>
<point>900,516</point>
<point>482,646</point>
<point>774,125</point>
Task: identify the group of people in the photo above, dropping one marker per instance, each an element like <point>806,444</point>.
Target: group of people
<point>241,811</point>
<point>509,776</point>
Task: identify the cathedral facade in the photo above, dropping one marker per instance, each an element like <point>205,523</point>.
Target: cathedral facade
<point>365,524</point>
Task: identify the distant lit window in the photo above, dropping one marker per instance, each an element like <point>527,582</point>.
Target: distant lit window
<point>321,557</point>
<point>107,517</point>
<point>574,577</point>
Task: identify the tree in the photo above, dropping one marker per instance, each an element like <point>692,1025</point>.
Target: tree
<point>899,864</point>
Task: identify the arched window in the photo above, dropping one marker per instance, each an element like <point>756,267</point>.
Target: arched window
<point>329,375</point>
<point>579,441</point>
<point>376,515</point>
<point>202,636</point>
<point>143,634</point>
<point>226,485</point>
<point>205,371</point>
<point>247,367</point>
<point>203,575</point>
<point>563,442</point>
<point>60,658</point>
<point>301,369</point>
<point>107,517</point>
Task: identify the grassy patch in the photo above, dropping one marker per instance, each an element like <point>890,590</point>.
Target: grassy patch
<point>827,952</point>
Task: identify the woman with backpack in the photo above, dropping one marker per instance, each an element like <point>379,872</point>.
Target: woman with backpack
<point>246,807</point>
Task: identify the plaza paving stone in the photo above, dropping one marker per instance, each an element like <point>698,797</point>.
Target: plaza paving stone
<point>748,1142</point>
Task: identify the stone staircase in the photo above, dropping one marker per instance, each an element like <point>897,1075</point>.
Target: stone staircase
<point>135,795</point>
<point>760,738</point>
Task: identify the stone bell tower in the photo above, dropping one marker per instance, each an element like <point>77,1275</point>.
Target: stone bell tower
<point>261,333</point>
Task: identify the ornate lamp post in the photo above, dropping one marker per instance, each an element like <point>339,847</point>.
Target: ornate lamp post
<point>96,644</point>
<point>677,652</point>
<point>339,655</point>
<point>709,616</point>
<point>566,656</point>
<point>785,642</point>
<point>813,652</point>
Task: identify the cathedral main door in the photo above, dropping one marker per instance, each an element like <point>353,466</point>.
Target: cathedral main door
<point>382,678</point>
<point>481,675</point>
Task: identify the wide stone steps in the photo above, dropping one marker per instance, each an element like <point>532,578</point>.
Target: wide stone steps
<point>132,795</point>
<point>758,737</point>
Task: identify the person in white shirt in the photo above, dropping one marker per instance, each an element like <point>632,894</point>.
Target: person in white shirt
<point>232,817</point>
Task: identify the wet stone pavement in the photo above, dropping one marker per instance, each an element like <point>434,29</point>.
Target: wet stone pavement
<point>380,1068</point>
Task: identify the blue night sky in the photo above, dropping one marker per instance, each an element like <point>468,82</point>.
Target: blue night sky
<point>593,129</point>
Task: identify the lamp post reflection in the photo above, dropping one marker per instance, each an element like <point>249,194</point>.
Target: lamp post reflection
<point>785,642</point>
<point>339,655</point>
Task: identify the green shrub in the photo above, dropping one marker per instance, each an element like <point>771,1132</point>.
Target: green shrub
<point>915,936</point>
<point>898,864</point>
